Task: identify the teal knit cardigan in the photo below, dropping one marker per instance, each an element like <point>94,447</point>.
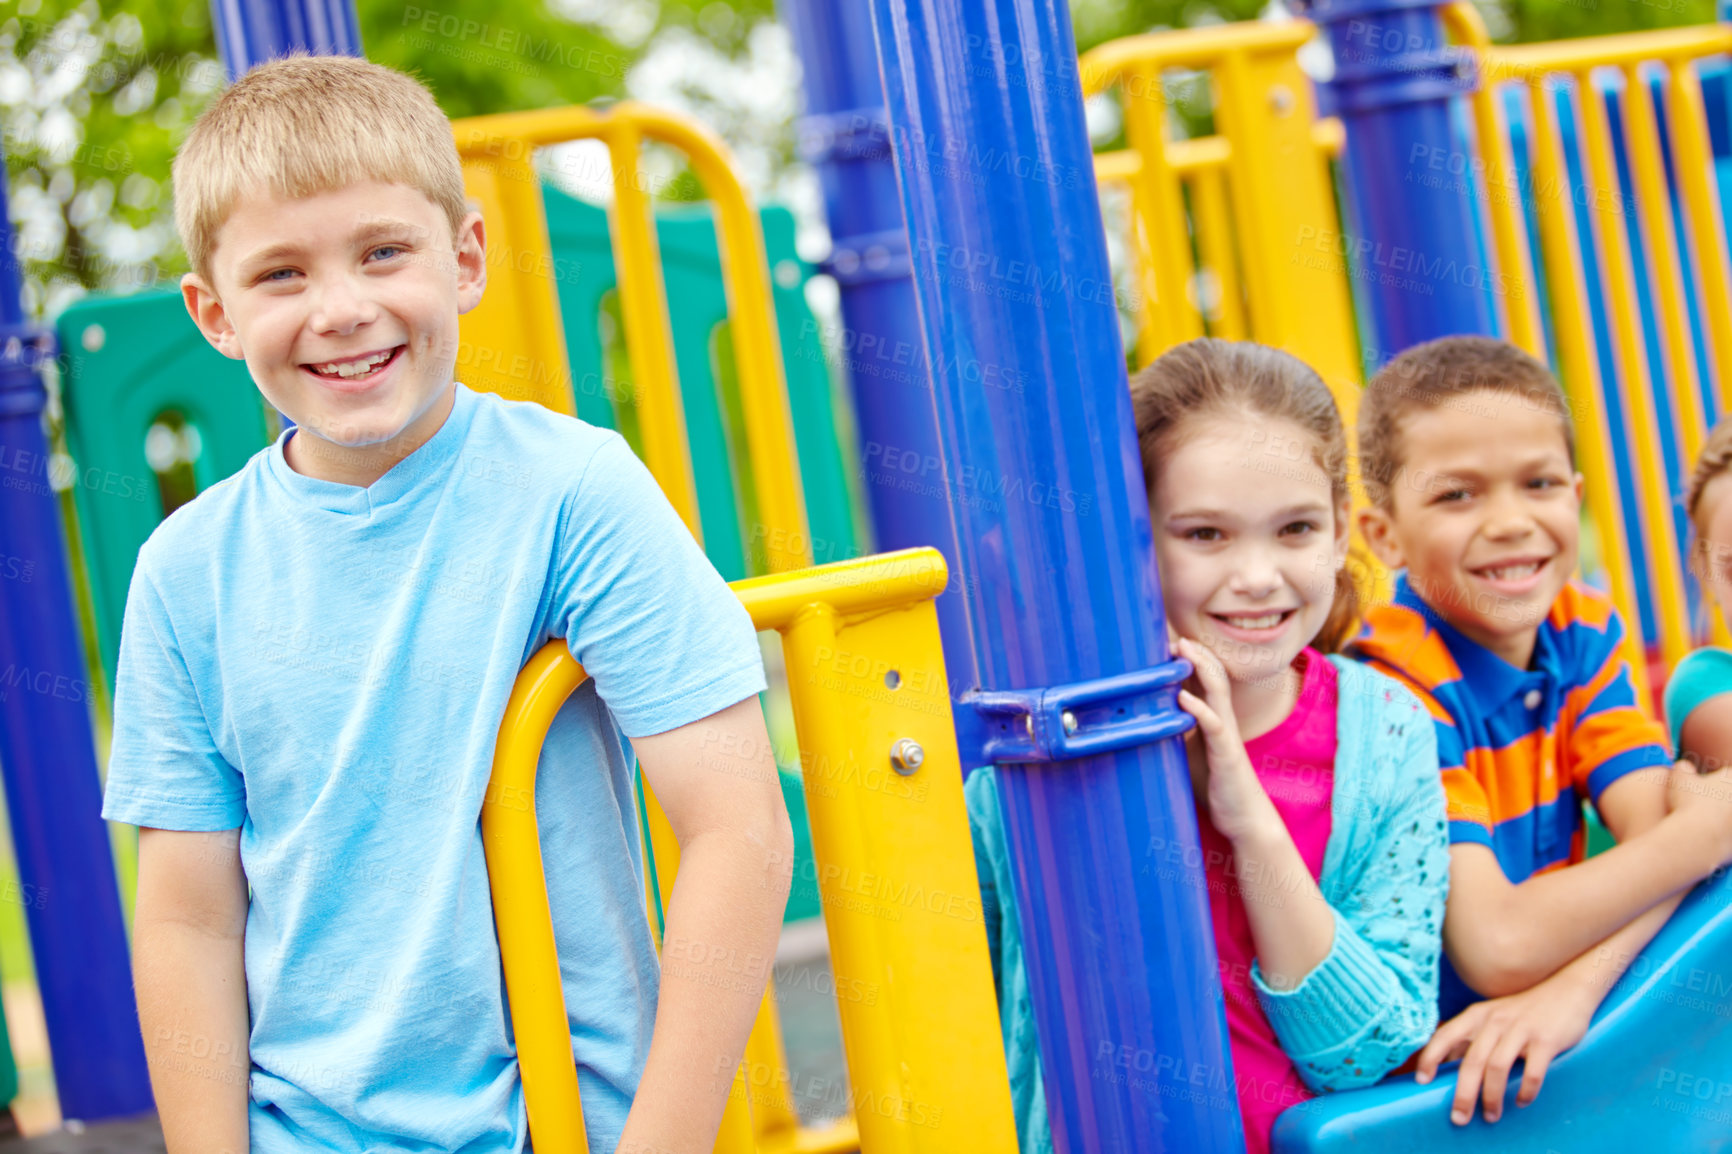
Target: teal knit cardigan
<point>1373,1000</point>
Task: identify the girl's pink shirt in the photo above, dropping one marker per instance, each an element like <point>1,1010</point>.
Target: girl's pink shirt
<point>1295,761</point>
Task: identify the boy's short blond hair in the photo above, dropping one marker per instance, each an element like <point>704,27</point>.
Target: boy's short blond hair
<point>301,125</point>
<point>1438,374</point>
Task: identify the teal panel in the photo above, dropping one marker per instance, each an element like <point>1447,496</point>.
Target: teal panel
<point>150,359</point>
<point>583,274</point>
<point>832,512</point>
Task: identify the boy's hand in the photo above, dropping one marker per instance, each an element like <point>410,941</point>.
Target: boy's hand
<point>1234,799</point>
<point>1490,1036</point>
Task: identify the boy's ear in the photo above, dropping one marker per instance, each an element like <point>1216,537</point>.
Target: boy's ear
<point>210,316</point>
<point>1378,529</point>
<point>1580,487</point>
<point>471,262</point>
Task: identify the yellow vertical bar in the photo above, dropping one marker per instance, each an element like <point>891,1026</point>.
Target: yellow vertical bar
<point>1214,224</point>
<point>1580,372</point>
<point>649,342</point>
<point>513,342</point>
<point>773,1112</point>
<point>1606,212</point>
<point>1295,282</point>
<point>1508,228</point>
<point>896,875</point>
<point>511,841</point>
<point>1654,210</point>
<point>1695,164</point>
<point>1163,240</point>
<point>770,447</point>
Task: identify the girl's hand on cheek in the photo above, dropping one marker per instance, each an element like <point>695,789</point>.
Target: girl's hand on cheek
<point>1234,799</point>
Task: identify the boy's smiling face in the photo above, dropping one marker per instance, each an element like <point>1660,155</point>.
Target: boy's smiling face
<point>344,305</point>
<point>1483,515</point>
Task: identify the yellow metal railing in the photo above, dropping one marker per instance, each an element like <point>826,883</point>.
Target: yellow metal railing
<point>894,860</point>
<point>1260,198</point>
<point>514,343</point>
<point>1617,219</point>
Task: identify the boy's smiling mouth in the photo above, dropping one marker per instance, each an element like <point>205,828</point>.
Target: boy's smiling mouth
<point>361,367</point>
<point>1516,575</point>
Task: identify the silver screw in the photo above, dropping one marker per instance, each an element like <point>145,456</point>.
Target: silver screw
<point>1281,99</point>
<point>93,338</point>
<point>1069,720</point>
<point>907,756</point>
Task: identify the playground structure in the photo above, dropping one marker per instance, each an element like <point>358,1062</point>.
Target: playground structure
<point>1591,216</point>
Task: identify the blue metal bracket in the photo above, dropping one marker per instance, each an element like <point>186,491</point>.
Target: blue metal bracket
<point>1081,719</point>
<point>851,134</point>
<point>871,256</point>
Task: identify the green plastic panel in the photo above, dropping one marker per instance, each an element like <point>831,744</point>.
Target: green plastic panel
<point>126,361</point>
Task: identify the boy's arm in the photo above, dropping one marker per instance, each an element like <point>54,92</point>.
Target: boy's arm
<point>723,920</point>
<point>189,928</point>
<point>1536,1025</point>
<point>1505,938</point>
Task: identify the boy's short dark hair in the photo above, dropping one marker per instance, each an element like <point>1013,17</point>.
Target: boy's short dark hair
<point>1431,376</point>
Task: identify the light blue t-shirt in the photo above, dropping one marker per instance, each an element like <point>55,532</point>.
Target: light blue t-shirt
<point>325,668</point>
<point>1703,674</point>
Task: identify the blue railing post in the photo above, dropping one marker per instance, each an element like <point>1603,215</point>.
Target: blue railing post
<point>250,32</point>
<point>1413,242</point>
<point>53,797</point>
<point>1010,268</point>
<point>844,136</point>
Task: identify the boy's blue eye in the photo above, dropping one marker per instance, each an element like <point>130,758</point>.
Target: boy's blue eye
<point>272,275</point>
<point>394,248</point>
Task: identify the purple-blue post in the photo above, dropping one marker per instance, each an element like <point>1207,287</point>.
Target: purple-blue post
<point>1419,251</point>
<point>250,32</point>
<point>845,137</point>
<point>1076,699</point>
<point>53,798</point>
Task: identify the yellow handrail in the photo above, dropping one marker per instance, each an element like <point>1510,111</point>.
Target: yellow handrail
<point>517,324</point>
<point>892,849</point>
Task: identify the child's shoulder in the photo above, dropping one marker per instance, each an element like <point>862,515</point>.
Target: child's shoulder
<point>1703,674</point>
<point>1580,604</point>
<point>526,445</point>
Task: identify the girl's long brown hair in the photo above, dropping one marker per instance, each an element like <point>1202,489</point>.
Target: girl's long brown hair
<point>1211,378</point>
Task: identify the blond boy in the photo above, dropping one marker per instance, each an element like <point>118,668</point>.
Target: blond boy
<point>1468,459</point>
<point>316,657</point>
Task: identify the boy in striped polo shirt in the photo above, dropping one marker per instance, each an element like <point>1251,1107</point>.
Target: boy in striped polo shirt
<point>1468,461</point>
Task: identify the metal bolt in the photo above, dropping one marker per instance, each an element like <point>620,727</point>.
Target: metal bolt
<point>93,338</point>
<point>1281,99</point>
<point>1028,723</point>
<point>1069,720</point>
<point>907,756</point>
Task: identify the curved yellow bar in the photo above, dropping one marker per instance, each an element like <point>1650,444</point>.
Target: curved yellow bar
<point>505,142</point>
<point>510,839</point>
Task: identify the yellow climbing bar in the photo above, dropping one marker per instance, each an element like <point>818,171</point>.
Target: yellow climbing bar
<point>513,343</point>
<point>894,859</point>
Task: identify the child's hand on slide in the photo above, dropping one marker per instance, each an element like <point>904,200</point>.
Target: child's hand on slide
<point>1234,799</point>
<point>1490,1036</point>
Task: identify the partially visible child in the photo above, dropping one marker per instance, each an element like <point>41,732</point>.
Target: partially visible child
<point>1468,462</point>
<point>1318,800</point>
<point>1697,706</point>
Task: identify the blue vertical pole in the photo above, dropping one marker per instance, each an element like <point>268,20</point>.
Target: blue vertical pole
<point>1010,268</point>
<point>250,32</point>
<point>1414,239</point>
<point>65,867</point>
<point>844,135</point>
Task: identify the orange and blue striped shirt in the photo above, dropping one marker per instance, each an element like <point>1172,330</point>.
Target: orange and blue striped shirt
<point>1520,748</point>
